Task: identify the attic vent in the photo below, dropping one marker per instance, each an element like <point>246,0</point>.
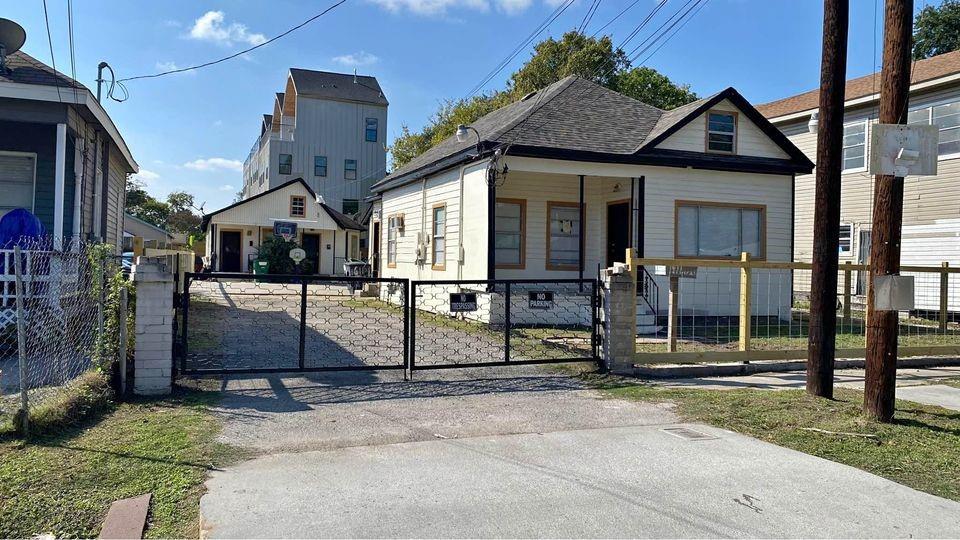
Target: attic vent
<point>528,96</point>
<point>689,434</point>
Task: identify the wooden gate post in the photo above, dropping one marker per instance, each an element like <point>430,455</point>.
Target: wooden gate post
<point>673,307</point>
<point>846,292</point>
<point>745,292</point>
<point>944,294</point>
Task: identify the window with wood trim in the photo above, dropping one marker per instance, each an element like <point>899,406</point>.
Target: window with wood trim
<point>438,244</point>
<point>510,224</point>
<point>393,228</point>
<point>563,236</point>
<point>298,206</point>
<point>722,132</point>
<point>709,230</point>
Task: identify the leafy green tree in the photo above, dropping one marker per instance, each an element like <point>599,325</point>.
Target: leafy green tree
<point>573,54</point>
<point>182,218</point>
<point>936,30</point>
<point>142,205</point>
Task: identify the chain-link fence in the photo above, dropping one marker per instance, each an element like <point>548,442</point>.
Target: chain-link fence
<point>59,317</point>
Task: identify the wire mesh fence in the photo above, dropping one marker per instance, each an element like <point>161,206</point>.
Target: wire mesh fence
<point>759,310</point>
<point>56,310</point>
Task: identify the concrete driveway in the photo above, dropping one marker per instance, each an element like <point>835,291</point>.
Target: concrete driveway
<point>523,453</point>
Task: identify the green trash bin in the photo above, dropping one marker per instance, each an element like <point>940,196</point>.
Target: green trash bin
<point>260,268</point>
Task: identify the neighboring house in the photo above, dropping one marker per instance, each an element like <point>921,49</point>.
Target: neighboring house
<point>329,129</point>
<point>234,233</point>
<point>591,173</point>
<point>152,235</point>
<point>61,156</point>
<point>931,204</point>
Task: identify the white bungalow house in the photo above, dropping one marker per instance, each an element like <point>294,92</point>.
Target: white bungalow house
<point>234,233</point>
<point>564,180</point>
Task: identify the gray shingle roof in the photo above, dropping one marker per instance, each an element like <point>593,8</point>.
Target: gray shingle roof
<point>25,69</point>
<point>325,84</point>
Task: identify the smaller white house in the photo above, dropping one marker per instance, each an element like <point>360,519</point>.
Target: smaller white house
<point>234,233</point>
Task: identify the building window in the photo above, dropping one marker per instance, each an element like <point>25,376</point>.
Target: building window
<point>855,146</point>
<point>946,116</point>
<point>393,227</point>
<point>349,169</point>
<point>286,163</point>
<point>439,240</point>
<point>719,230</point>
<point>17,181</point>
<point>370,133</point>
<point>319,165</point>
<point>563,236</point>
<point>846,239</point>
<point>721,132</point>
<point>351,206</point>
<point>298,206</point>
<point>510,224</point>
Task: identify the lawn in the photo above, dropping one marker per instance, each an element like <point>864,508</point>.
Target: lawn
<point>63,482</point>
<point>920,449</point>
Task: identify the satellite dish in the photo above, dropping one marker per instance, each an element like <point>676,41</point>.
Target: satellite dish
<point>12,36</point>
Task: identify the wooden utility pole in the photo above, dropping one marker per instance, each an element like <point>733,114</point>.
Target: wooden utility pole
<point>881,368</point>
<point>826,228</point>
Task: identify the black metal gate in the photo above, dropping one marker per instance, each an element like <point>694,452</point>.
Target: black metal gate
<point>502,323</point>
<point>242,323</point>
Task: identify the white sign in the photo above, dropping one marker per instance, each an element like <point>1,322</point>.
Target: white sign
<point>298,255</point>
<point>686,272</point>
<point>893,293</point>
<point>902,150</point>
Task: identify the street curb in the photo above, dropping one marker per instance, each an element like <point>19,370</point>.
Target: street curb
<point>686,371</point>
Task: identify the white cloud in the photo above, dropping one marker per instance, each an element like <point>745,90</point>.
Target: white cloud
<point>147,177</point>
<point>170,66</point>
<point>431,7</point>
<point>215,164</point>
<point>217,123</point>
<point>513,7</point>
<point>211,27</point>
<point>361,58</point>
<point>226,187</point>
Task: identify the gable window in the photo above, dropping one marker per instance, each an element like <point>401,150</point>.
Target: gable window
<point>855,146</point>
<point>349,169</point>
<point>286,164</point>
<point>319,165</point>
<point>719,230</point>
<point>370,133</point>
<point>351,206</point>
<point>563,236</point>
<point>298,206</point>
<point>721,131</point>
<point>945,116</point>
<point>439,240</point>
<point>846,239</point>
<point>510,224</point>
<point>393,226</point>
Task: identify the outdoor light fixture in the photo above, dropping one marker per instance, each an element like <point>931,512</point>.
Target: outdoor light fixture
<point>814,122</point>
<point>462,134</point>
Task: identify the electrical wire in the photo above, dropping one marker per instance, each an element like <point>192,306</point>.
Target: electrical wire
<point>588,16</point>
<point>617,16</point>
<point>53,59</point>
<point>240,53</point>
<point>73,58</point>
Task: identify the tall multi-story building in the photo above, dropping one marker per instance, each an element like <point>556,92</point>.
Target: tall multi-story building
<point>327,128</point>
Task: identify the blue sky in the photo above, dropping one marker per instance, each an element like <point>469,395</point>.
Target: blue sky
<point>191,131</point>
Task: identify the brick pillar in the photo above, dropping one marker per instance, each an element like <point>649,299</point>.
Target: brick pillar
<point>619,319</point>
<point>153,351</point>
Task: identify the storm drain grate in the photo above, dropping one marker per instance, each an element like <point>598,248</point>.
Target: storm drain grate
<point>688,434</point>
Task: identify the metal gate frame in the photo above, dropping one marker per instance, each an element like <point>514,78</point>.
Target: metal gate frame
<point>593,284</point>
<point>181,330</point>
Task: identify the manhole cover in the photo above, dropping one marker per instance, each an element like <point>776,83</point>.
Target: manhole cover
<point>688,434</point>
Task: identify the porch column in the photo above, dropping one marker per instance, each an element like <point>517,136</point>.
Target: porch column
<point>583,218</point>
<point>491,222</point>
<point>60,180</point>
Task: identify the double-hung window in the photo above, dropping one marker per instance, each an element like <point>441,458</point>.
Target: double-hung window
<point>846,239</point>
<point>286,164</point>
<point>351,206</point>
<point>946,117</point>
<point>510,225</point>
<point>319,165</point>
<point>855,146</point>
<point>439,240</point>
<point>563,237</point>
<point>298,206</point>
<point>719,230</point>
<point>393,226</point>
<point>722,132</point>
<point>370,132</point>
<point>349,169</point>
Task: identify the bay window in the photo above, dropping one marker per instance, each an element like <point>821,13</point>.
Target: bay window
<point>719,230</point>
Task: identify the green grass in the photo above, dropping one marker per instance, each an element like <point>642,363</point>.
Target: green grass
<point>63,480</point>
<point>920,449</point>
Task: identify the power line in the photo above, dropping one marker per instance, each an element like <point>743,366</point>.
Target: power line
<point>53,59</point>
<point>617,16</point>
<point>73,59</point>
<point>240,53</point>
<point>699,7</point>
<point>588,16</point>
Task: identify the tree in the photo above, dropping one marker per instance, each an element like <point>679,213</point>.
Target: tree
<point>936,30</point>
<point>573,54</point>
<point>142,205</point>
<point>182,219</point>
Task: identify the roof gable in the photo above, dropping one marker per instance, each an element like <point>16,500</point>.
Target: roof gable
<point>343,86</point>
<point>750,140</point>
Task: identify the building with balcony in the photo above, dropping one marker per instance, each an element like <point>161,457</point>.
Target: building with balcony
<point>328,129</point>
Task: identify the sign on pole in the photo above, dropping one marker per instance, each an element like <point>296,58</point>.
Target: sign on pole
<point>686,272</point>
<point>463,302</point>
<point>541,300</point>
<point>904,150</point>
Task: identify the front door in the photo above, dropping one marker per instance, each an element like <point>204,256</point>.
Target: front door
<point>618,232</point>
<point>311,244</point>
<point>375,252</point>
<point>230,258</point>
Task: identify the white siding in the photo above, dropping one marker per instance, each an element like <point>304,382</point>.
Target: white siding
<point>751,141</point>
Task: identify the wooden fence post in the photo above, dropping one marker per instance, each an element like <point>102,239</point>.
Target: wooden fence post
<point>673,307</point>
<point>846,292</point>
<point>944,294</point>
<point>745,291</point>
